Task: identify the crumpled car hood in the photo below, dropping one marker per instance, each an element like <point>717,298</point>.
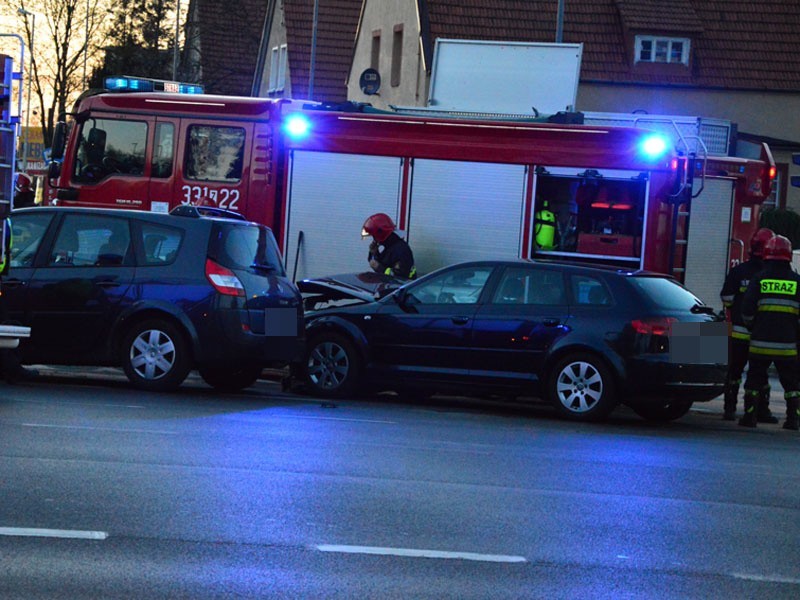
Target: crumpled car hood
<point>346,289</point>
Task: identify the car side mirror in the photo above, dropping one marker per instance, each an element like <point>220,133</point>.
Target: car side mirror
<point>59,141</point>
<point>53,170</point>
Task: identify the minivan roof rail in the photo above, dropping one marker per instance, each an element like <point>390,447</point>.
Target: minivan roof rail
<point>186,210</point>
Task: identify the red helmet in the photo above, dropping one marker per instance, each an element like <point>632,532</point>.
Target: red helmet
<point>379,226</point>
<point>759,240</point>
<point>778,248</point>
<point>23,183</point>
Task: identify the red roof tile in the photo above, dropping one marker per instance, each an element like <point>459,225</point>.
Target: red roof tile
<point>230,33</point>
<point>336,33</point>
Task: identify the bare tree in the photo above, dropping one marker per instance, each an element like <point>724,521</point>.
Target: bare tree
<point>65,38</point>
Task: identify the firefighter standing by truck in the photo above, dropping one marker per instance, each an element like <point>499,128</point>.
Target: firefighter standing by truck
<point>739,341</point>
<point>388,252</point>
<point>771,309</point>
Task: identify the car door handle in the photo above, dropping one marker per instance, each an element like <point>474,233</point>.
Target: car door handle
<point>459,320</point>
<point>106,282</point>
<point>13,282</point>
<point>551,322</point>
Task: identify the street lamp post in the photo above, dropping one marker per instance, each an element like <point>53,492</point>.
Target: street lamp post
<point>26,143</point>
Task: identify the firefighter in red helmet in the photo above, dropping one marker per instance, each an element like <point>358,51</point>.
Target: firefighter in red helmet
<point>771,309</point>
<point>23,191</point>
<point>739,341</point>
<point>388,252</point>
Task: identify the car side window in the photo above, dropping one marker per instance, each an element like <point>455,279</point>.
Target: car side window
<point>590,291</point>
<point>530,286</point>
<point>160,243</point>
<point>459,286</point>
<point>27,232</point>
<point>110,147</point>
<point>91,240</point>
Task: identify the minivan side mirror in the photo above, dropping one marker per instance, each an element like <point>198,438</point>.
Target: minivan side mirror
<point>59,141</point>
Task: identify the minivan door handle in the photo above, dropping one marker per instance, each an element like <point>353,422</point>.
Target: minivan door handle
<point>551,322</point>
<point>106,282</point>
<point>459,320</point>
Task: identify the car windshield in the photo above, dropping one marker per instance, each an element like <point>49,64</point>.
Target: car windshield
<point>250,246</point>
<point>666,293</point>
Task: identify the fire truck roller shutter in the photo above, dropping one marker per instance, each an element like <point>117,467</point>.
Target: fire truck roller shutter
<point>465,211</point>
<point>330,195</point>
<point>708,249</point>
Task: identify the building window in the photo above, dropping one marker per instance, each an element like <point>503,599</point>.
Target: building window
<point>277,69</point>
<point>662,50</point>
<point>375,58</point>
<point>397,54</point>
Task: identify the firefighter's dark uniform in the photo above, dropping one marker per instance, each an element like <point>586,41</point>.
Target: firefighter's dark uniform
<point>739,341</point>
<point>770,308</point>
<point>394,257</point>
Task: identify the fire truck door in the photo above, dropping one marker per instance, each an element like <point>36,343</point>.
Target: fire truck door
<point>465,211</point>
<point>212,163</point>
<point>708,246</point>
<point>109,166</point>
<point>162,193</point>
<point>330,195</point>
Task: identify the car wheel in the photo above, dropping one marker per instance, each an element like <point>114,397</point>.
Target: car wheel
<point>582,388</point>
<point>230,379</point>
<point>663,413</point>
<point>332,367</point>
<point>155,356</point>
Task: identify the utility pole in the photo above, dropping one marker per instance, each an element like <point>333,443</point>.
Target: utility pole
<point>560,22</point>
<point>177,39</point>
<point>26,143</point>
<point>313,51</point>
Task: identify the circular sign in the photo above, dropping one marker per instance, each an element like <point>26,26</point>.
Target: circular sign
<point>370,81</point>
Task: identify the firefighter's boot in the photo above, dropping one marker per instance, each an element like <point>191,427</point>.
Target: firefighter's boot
<point>729,408</point>
<point>792,414</point>
<point>750,402</point>
<point>763,413</point>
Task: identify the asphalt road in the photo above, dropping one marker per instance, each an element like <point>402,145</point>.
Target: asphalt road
<point>109,493</point>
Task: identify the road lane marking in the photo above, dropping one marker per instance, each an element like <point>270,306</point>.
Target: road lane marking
<point>418,553</point>
<point>767,578</point>
<point>53,533</point>
<point>86,427</point>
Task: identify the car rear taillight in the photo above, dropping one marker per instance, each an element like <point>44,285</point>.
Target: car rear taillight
<point>653,326</point>
<point>223,280</point>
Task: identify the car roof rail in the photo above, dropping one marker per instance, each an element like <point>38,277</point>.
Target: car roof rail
<point>187,210</point>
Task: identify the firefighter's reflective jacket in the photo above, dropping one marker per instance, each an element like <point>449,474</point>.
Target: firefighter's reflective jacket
<point>770,309</point>
<point>733,291</point>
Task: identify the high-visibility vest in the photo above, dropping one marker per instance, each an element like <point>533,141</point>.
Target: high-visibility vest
<point>545,228</point>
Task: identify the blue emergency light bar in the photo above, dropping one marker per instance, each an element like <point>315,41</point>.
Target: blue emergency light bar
<point>140,84</point>
<point>297,126</point>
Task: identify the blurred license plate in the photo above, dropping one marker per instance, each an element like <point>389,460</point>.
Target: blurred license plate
<point>281,321</point>
<point>699,343</point>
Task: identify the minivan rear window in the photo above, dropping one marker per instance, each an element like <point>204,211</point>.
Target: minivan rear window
<point>665,293</point>
<point>249,246</point>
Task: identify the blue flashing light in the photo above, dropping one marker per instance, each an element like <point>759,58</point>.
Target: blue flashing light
<point>188,88</point>
<point>297,126</point>
<point>128,84</point>
<point>654,146</point>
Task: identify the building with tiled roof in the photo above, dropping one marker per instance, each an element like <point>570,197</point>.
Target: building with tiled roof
<point>284,60</point>
<point>222,39</point>
<point>725,59</point>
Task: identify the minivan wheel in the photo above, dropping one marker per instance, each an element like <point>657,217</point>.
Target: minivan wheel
<point>332,366</point>
<point>662,413</point>
<point>582,388</point>
<point>230,379</point>
<point>155,356</point>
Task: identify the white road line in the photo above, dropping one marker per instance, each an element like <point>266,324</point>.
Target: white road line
<point>767,578</point>
<point>417,553</point>
<point>47,426</point>
<point>53,533</point>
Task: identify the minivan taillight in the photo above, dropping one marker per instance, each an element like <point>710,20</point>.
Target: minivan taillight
<point>223,280</point>
<point>653,325</point>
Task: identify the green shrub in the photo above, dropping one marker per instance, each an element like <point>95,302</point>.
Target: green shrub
<point>782,221</point>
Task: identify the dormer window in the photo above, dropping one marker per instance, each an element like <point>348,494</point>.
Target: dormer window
<point>652,49</point>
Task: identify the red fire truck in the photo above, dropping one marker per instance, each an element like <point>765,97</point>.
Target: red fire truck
<point>458,188</point>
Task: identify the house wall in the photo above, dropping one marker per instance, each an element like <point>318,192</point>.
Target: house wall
<point>277,37</point>
<point>384,16</point>
<point>774,114</point>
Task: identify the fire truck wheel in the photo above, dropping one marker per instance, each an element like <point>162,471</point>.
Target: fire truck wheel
<point>156,356</point>
<point>230,379</point>
<point>332,366</point>
<point>662,413</point>
<point>582,388</point>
